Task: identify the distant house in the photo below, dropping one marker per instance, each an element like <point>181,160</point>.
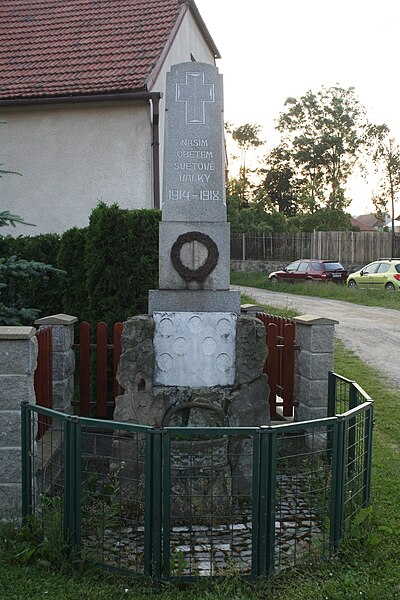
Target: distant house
<point>388,223</point>
<point>368,222</point>
<point>355,222</point>
<point>81,86</point>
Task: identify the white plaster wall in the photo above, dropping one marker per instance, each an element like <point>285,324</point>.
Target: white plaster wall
<point>70,158</point>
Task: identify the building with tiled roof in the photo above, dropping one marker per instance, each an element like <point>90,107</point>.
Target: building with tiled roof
<point>360,225</point>
<point>371,221</point>
<point>81,85</point>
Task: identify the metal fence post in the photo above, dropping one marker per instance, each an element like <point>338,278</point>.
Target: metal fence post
<point>72,482</point>
<point>153,505</point>
<point>267,501</point>
<point>148,504</point>
<point>256,504</point>
<point>369,423</point>
<point>338,475</point>
<point>351,452</point>
<point>271,502</point>
<point>331,394</point>
<point>166,505</point>
<point>26,459</point>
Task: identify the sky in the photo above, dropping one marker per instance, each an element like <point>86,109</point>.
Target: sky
<point>273,49</point>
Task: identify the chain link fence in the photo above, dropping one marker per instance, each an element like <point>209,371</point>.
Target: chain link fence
<point>181,503</point>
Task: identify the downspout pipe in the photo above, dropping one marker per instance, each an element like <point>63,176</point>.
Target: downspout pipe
<point>156,151</point>
<point>153,97</point>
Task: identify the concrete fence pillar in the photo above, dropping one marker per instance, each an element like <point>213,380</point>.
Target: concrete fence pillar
<point>18,360</point>
<point>315,358</point>
<point>62,334</point>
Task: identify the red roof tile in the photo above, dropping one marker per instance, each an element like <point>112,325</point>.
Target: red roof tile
<point>75,47</point>
<point>361,226</point>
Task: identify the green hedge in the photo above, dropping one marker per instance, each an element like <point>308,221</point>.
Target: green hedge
<point>110,266</point>
<point>121,262</point>
<point>72,258</point>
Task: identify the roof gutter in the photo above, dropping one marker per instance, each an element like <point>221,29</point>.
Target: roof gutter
<point>77,99</point>
<point>153,97</point>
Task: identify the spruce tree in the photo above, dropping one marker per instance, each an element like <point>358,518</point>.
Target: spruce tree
<point>13,267</point>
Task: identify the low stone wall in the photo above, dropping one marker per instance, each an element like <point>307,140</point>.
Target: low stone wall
<point>18,362</point>
<point>18,359</point>
<point>315,359</point>
<point>267,266</point>
<point>257,266</point>
<point>62,333</point>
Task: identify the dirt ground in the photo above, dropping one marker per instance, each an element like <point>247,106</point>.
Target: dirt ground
<point>373,333</point>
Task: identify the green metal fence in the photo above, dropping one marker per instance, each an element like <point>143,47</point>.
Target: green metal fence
<point>188,502</point>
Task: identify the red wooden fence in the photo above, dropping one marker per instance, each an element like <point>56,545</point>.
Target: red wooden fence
<point>281,335</point>
<point>44,377</point>
<point>97,393</point>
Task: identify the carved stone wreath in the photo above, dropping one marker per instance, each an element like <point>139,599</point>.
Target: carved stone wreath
<point>202,272</point>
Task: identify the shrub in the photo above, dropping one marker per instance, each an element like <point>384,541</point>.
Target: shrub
<point>121,261</point>
<point>110,266</point>
<point>73,285</point>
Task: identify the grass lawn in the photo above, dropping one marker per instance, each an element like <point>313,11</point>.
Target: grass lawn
<point>367,566</point>
<point>367,297</point>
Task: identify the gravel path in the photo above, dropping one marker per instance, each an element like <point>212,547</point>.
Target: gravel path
<point>372,332</point>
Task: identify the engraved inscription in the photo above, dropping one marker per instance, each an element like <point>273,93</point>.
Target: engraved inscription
<point>189,166</point>
<point>194,157</point>
<point>194,153</point>
<point>194,142</point>
<point>199,169</point>
<point>186,195</point>
<point>195,93</point>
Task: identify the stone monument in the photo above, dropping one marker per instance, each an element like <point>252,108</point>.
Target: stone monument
<point>194,360</point>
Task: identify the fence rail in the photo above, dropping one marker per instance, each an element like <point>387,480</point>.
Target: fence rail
<point>279,366</point>
<point>98,364</point>
<point>349,247</point>
<point>179,503</point>
<point>43,379</point>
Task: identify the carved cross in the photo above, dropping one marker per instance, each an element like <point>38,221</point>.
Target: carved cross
<point>195,93</point>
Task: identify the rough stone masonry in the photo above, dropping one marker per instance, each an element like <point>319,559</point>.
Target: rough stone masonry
<point>194,360</point>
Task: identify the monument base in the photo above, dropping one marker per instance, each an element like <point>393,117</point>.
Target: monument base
<point>194,301</point>
<point>244,403</point>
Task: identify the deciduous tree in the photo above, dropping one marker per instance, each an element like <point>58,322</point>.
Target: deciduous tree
<point>280,183</point>
<point>325,133</point>
<point>386,157</point>
<point>246,137</point>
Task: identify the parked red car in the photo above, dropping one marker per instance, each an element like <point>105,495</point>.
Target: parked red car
<point>311,270</point>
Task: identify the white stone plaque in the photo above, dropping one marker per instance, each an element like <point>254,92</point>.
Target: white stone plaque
<point>195,349</point>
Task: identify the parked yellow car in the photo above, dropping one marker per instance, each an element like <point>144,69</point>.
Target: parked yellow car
<point>383,273</point>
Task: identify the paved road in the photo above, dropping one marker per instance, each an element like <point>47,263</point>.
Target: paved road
<point>373,333</point>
